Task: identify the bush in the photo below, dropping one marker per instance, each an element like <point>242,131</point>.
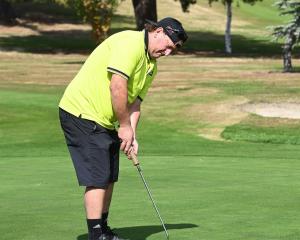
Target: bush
<point>98,13</point>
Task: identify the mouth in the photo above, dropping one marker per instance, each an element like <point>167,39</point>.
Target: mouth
<point>161,54</point>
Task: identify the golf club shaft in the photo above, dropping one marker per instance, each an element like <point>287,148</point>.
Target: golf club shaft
<point>154,205</point>
<point>137,164</point>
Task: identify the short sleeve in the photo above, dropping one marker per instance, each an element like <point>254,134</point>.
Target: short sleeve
<point>123,59</point>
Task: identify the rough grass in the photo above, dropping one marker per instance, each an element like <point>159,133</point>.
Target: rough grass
<point>207,91</point>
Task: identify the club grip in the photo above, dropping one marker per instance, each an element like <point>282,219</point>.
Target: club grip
<point>135,161</point>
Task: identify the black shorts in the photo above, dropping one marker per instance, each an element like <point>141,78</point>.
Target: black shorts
<point>93,148</point>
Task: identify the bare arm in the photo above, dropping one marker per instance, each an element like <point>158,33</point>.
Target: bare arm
<point>135,112</point>
<point>119,97</point>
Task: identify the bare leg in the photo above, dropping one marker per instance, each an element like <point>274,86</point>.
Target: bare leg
<point>94,202</point>
<point>107,198</point>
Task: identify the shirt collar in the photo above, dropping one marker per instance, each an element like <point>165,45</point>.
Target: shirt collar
<point>146,39</point>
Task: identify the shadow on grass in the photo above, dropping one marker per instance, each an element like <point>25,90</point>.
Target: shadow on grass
<point>57,41</point>
<point>142,232</point>
<point>277,70</point>
<point>213,44</point>
<point>72,41</point>
<point>296,69</point>
<point>44,12</point>
<point>203,43</point>
<point>199,43</point>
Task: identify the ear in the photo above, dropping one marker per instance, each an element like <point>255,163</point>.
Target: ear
<point>159,30</point>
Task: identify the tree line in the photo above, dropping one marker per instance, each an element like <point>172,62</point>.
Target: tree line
<point>99,13</point>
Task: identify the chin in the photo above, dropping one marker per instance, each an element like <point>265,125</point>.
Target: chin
<point>155,55</point>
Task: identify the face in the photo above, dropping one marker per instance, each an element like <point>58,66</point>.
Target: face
<point>160,45</point>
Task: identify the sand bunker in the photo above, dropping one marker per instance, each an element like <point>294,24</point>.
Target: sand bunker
<point>280,110</point>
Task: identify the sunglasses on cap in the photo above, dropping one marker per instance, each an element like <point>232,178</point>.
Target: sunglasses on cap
<point>180,34</point>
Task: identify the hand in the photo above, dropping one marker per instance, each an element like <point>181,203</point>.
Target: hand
<point>134,148</point>
<point>125,134</point>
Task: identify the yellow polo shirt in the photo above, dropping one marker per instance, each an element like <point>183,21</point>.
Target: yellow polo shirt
<point>88,94</point>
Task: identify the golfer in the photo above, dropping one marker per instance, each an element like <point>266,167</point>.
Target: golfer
<point>100,110</point>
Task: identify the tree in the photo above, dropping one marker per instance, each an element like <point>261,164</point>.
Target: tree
<point>228,5</point>
<point>290,32</point>
<point>98,13</point>
<point>185,4</point>
<point>146,9</point>
<point>7,13</point>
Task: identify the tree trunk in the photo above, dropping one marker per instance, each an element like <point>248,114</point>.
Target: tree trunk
<point>287,53</point>
<point>7,13</point>
<point>228,4</point>
<point>144,9</point>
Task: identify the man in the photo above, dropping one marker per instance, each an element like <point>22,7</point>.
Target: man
<point>109,88</point>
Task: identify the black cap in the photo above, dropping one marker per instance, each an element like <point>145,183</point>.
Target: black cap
<point>173,28</point>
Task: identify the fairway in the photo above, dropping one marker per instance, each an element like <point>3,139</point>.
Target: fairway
<point>216,171</point>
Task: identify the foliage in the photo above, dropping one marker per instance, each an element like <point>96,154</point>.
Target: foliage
<point>291,28</point>
<point>290,32</point>
<point>98,13</point>
<point>185,4</point>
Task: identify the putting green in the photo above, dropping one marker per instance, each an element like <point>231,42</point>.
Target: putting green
<point>204,189</point>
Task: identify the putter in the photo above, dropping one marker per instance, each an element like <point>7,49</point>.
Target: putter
<point>137,165</point>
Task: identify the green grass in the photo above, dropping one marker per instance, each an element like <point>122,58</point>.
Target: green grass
<point>262,13</point>
<point>245,188</point>
<point>264,130</point>
<point>252,37</point>
<point>204,189</point>
<point>259,15</point>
